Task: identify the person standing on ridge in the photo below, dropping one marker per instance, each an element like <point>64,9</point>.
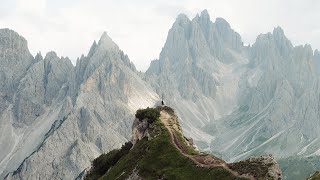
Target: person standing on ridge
<point>162,102</point>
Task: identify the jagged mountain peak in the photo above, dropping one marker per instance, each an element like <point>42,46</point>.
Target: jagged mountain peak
<point>51,55</point>
<point>203,20</point>
<point>181,21</point>
<point>204,14</point>
<point>277,36</point>
<point>106,42</point>
<point>193,48</point>
<point>8,33</point>
<point>104,46</point>
<point>15,59</point>
<point>38,57</point>
<point>93,48</point>
<point>105,36</point>
<point>10,39</point>
<point>278,31</point>
<point>306,49</point>
<point>271,44</point>
<point>221,22</point>
<point>229,36</point>
<point>182,16</point>
<point>107,49</point>
<point>281,38</point>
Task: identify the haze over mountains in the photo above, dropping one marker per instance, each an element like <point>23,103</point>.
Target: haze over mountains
<point>234,100</point>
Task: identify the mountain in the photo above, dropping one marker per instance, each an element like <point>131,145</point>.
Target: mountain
<point>236,101</point>
<point>56,118</point>
<point>159,149</point>
<point>239,101</point>
<point>190,76</point>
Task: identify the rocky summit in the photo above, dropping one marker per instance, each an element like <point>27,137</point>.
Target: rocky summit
<point>235,101</point>
<point>159,150</point>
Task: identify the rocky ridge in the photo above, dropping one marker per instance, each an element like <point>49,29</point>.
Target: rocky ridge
<point>149,132</point>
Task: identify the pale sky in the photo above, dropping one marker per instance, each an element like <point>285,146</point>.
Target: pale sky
<point>140,27</point>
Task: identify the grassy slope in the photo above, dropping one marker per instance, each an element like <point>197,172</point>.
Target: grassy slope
<point>158,158</point>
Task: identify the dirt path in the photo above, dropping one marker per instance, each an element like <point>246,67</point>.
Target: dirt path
<point>201,160</point>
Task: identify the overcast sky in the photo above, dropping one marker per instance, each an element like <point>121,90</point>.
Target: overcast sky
<point>140,27</point>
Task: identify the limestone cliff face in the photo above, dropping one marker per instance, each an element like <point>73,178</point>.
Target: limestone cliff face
<point>15,60</point>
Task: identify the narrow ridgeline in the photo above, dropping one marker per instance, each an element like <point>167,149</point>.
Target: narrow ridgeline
<point>159,150</point>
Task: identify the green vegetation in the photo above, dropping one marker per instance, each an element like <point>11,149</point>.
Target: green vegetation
<point>156,156</point>
<point>159,159</point>
<point>152,114</point>
<point>186,148</point>
<point>103,163</point>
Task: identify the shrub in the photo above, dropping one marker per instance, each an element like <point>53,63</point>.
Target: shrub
<point>105,161</point>
<point>152,114</point>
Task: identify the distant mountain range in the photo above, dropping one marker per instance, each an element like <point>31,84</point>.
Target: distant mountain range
<point>236,101</point>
